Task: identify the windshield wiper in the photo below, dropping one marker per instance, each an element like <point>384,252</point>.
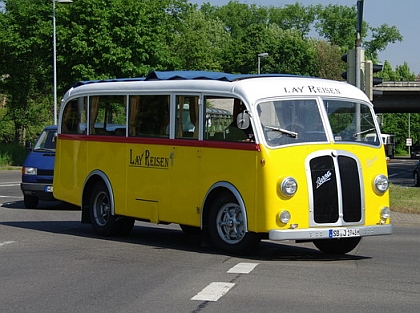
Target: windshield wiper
<point>44,150</point>
<point>364,132</point>
<point>283,131</point>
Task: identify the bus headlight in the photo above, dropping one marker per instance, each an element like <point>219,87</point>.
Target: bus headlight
<point>385,213</point>
<point>29,170</point>
<point>288,186</point>
<point>381,184</point>
<point>284,217</point>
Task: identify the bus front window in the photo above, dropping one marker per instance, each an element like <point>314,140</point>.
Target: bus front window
<point>291,122</point>
<point>351,122</point>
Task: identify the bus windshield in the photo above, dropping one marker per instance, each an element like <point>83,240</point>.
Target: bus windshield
<point>291,121</point>
<point>351,122</point>
<point>288,122</point>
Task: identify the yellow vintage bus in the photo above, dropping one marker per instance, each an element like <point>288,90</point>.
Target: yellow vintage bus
<point>237,158</point>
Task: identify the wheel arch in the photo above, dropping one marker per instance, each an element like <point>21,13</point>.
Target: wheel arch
<point>213,193</point>
<point>90,181</point>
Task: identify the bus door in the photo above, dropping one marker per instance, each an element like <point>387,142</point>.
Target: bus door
<point>185,160</point>
<point>148,157</point>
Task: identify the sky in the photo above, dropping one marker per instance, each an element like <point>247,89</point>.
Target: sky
<point>403,14</point>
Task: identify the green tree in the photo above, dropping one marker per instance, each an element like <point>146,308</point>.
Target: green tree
<point>122,38</point>
<point>99,39</point>
<point>201,43</point>
<point>95,39</point>
<point>382,36</point>
<point>387,73</point>
<point>398,124</point>
<point>328,62</point>
<point>404,73</point>
<point>289,52</point>
<point>337,23</point>
<point>25,54</point>
<point>293,17</point>
<point>401,73</point>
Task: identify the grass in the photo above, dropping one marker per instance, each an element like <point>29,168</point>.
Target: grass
<point>404,199</point>
<point>12,155</point>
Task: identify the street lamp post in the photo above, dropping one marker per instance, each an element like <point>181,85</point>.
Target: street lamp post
<point>55,58</point>
<point>261,55</point>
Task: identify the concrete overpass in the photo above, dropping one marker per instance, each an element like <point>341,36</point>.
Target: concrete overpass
<point>397,97</point>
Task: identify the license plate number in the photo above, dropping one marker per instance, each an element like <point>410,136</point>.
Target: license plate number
<point>48,188</point>
<point>342,233</point>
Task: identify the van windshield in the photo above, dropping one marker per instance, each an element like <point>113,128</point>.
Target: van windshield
<point>46,141</point>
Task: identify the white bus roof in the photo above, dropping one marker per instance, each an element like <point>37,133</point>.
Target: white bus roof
<point>249,86</point>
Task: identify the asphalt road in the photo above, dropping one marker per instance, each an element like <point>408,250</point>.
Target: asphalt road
<point>49,262</point>
<point>400,171</point>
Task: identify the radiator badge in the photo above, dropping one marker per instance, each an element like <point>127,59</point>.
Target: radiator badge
<point>323,179</point>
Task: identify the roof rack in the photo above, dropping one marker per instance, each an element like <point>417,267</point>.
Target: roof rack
<point>185,75</point>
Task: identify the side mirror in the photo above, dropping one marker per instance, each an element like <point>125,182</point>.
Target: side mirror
<point>243,120</point>
<point>28,145</point>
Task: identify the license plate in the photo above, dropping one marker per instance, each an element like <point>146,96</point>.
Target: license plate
<point>343,233</point>
<point>48,188</point>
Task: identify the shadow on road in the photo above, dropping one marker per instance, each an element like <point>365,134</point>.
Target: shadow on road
<point>43,205</point>
<point>171,237</point>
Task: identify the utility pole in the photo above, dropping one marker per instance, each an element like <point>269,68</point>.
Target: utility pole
<point>358,48</point>
<point>358,43</point>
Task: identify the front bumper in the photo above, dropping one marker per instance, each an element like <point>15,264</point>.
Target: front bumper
<point>38,189</point>
<point>325,233</point>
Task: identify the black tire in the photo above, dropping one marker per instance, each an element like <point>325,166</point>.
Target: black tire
<point>103,222</point>
<point>31,202</point>
<point>416,179</point>
<point>190,230</point>
<point>226,225</point>
<point>337,246</point>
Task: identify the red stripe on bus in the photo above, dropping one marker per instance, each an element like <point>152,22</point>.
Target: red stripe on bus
<point>249,146</point>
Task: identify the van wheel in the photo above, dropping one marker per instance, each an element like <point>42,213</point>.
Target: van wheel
<point>227,226</point>
<point>337,246</point>
<point>30,202</point>
<point>103,222</point>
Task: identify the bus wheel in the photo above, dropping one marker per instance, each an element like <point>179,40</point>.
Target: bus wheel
<point>103,222</point>
<point>227,226</point>
<point>337,246</point>
<point>30,202</point>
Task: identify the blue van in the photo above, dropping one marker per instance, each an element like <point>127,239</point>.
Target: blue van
<point>38,169</point>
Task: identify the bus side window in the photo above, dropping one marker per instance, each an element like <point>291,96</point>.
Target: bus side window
<point>107,115</point>
<point>74,117</point>
<point>149,116</point>
<point>221,120</point>
<point>187,117</point>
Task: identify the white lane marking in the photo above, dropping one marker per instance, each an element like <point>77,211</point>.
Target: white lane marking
<point>9,184</point>
<point>216,290</point>
<point>243,268</point>
<point>6,243</point>
<point>213,292</point>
